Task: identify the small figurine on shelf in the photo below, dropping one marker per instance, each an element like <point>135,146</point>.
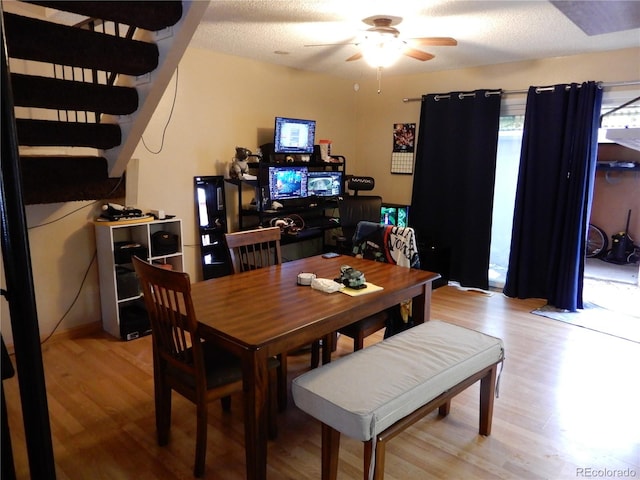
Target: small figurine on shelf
<point>239,168</point>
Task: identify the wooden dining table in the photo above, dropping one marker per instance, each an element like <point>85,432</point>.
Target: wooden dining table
<point>262,313</point>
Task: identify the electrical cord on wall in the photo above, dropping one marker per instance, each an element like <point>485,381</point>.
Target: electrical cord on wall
<point>75,299</point>
<point>164,130</point>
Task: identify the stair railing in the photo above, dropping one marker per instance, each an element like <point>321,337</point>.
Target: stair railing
<point>65,72</point>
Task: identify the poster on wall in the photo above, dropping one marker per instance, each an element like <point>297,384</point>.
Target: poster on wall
<point>404,135</point>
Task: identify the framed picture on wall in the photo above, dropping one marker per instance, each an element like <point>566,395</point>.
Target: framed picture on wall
<point>404,135</point>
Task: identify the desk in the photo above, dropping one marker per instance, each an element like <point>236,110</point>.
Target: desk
<point>261,313</point>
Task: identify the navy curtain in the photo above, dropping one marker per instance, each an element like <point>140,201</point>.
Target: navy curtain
<point>452,198</point>
<point>553,197</point>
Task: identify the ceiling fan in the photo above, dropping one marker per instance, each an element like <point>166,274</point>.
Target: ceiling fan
<point>382,44</point>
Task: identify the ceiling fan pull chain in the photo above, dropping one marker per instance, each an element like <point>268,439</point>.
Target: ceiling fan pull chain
<point>379,74</point>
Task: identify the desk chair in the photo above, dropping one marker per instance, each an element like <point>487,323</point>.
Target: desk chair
<point>252,249</point>
<point>182,361</point>
<point>375,241</point>
<point>353,210</point>
<point>356,208</point>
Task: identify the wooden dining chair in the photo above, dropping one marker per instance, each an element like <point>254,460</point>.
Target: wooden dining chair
<point>252,249</point>
<point>182,361</point>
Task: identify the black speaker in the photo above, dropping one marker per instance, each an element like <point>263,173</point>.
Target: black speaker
<point>267,151</point>
<point>123,251</point>
<point>134,320</point>
<point>164,243</point>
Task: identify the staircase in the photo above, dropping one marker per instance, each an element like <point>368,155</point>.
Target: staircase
<point>85,79</point>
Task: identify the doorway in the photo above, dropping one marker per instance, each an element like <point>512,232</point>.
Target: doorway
<point>611,286</point>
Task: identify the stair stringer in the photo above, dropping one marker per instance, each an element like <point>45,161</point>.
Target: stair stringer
<point>172,43</point>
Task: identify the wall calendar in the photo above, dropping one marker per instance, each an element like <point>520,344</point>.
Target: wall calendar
<point>404,135</point>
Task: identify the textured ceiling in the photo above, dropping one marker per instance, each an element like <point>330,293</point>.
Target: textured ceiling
<point>488,32</point>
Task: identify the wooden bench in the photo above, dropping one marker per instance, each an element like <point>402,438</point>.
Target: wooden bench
<point>374,394</point>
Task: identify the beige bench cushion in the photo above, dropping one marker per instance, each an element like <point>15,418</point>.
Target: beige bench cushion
<point>367,391</point>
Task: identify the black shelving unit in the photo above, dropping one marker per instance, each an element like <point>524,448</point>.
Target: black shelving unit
<point>211,218</point>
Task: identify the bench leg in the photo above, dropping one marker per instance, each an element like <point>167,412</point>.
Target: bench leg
<point>444,409</point>
<point>330,449</point>
<point>487,393</point>
<point>368,450</point>
<point>378,472</point>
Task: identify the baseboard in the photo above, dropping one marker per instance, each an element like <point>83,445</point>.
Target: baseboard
<point>75,332</point>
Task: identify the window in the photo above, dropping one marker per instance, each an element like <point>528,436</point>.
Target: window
<point>504,195</point>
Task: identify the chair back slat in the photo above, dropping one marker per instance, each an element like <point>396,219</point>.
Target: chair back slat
<point>167,296</point>
<point>253,249</point>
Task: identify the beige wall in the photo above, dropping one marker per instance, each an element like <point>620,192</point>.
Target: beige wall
<point>615,193</point>
<point>226,101</point>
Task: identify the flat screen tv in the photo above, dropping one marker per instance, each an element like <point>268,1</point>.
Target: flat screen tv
<point>324,184</point>
<point>287,182</point>
<point>294,136</point>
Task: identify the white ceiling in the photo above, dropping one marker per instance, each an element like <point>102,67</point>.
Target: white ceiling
<point>488,32</point>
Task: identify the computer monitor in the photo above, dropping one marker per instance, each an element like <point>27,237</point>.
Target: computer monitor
<point>294,136</point>
<point>397,215</point>
<point>324,184</point>
<point>287,182</point>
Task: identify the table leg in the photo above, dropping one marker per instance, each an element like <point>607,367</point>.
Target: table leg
<point>328,347</point>
<point>421,306</point>
<point>256,391</point>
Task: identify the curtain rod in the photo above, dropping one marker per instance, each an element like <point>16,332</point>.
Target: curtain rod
<point>522,92</point>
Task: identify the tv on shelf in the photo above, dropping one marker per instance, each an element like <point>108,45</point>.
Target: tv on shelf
<point>324,184</point>
<point>294,136</point>
<point>287,182</point>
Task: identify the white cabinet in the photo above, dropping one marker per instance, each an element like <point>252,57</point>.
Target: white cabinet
<point>123,313</point>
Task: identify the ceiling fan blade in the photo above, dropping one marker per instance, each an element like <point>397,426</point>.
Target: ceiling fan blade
<point>434,41</point>
<point>356,56</point>
<point>328,44</point>
<point>418,54</point>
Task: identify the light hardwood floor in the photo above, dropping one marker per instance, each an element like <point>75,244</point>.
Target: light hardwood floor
<point>569,407</point>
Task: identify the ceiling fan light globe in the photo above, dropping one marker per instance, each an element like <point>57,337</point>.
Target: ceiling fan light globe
<point>382,50</point>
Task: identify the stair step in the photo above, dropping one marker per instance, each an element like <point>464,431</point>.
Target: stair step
<point>37,40</point>
<point>65,179</point>
<point>52,93</point>
<point>150,15</point>
<point>40,133</point>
